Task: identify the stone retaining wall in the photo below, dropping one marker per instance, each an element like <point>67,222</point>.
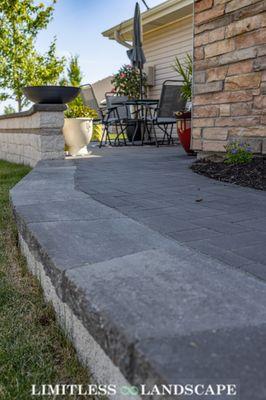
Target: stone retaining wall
<point>34,135</point>
<point>229,74</point>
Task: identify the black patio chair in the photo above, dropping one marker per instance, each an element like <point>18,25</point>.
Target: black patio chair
<point>120,113</point>
<point>105,116</point>
<point>163,116</point>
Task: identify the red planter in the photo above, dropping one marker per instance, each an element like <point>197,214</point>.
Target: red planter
<point>184,131</point>
<point>185,139</point>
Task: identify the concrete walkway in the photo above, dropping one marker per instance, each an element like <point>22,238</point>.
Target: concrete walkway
<point>163,269</point>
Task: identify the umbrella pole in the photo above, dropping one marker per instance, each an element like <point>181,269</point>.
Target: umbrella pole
<point>141,84</point>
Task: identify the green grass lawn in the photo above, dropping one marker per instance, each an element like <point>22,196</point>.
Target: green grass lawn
<point>33,350</point>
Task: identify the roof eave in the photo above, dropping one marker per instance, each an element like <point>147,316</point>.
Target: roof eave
<point>149,18</point>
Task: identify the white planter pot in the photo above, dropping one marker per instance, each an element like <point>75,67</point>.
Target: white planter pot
<point>77,133</point>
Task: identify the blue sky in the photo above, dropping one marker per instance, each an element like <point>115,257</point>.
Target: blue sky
<point>78,24</point>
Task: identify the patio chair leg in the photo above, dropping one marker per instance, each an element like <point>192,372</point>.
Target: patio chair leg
<point>168,135</point>
<point>142,128</point>
<point>116,141</point>
<point>149,133</point>
<point>165,134</point>
<point>164,130</point>
<point>155,136</point>
<point>102,137</point>
<point>124,138</point>
<point>109,139</point>
<point>171,133</point>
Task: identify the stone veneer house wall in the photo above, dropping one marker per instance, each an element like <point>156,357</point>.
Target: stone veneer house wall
<point>229,74</point>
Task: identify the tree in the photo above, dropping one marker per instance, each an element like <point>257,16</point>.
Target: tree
<point>76,109</point>
<point>74,74</point>
<point>73,78</point>
<point>20,63</point>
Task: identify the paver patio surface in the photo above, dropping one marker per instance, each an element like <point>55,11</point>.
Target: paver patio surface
<point>164,268</point>
<point>156,188</point>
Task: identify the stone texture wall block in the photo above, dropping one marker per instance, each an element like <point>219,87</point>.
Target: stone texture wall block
<point>239,109</point>
<point>199,53</point>
<point>34,135</point>
<point>206,111</point>
<point>209,87</point>
<point>245,25</point>
<point>205,16</point>
<point>214,146</point>
<point>260,64</point>
<point>251,39</point>
<point>202,122</point>
<point>241,67</point>
<point>220,47</point>
<point>215,133</point>
<point>217,74</point>
<point>203,5</point>
<point>238,55</point>
<point>225,110</point>
<point>197,133</point>
<point>229,90</point>
<point>245,81</point>
<point>222,97</point>
<point>237,121</point>
<point>199,76</point>
<point>264,146</point>
<point>239,4</point>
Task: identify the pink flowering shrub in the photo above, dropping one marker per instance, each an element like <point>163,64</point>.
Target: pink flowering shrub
<point>127,82</point>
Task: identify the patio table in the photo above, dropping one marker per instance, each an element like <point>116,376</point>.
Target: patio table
<point>142,108</point>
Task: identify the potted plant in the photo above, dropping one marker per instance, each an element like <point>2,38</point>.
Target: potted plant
<point>78,129</point>
<point>184,117</point>
<point>127,83</point>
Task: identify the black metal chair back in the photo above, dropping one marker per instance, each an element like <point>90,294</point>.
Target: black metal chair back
<point>122,112</point>
<point>171,100</point>
<point>90,100</point>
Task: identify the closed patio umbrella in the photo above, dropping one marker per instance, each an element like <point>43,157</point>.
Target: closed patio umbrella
<point>136,54</point>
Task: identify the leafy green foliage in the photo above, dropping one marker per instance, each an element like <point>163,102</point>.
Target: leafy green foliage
<point>97,132</point>
<point>185,70</point>
<point>238,153</point>
<point>20,64</point>
<point>73,73</point>
<point>76,108</point>
<point>127,82</point>
<point>9,109</point>
<point>79,111</point>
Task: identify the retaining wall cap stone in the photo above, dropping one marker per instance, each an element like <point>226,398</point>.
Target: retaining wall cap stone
<point>36,108</point>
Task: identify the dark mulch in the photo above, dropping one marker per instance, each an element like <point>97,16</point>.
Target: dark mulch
<point>252,174</point>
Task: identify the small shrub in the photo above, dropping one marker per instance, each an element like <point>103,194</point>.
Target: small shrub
<point>127,82</point>
<point>97,132</point>
<point>79,111</point>
<point>238,153</point>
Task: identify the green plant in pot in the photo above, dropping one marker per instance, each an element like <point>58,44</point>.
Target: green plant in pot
<point>185,70</point>
<point>78,126</point>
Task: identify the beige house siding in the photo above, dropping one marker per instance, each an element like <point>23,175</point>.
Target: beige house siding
<point>162,45</point>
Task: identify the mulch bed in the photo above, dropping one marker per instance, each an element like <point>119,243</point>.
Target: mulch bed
<point>251,175</point>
